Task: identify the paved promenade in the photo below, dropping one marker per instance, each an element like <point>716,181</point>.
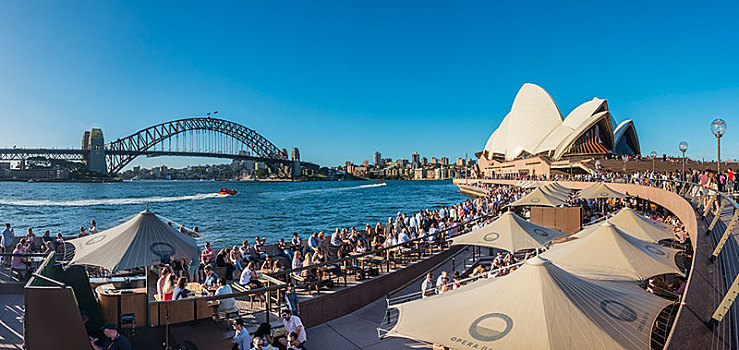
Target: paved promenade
<point>11,321</point>
<point>358,330</point>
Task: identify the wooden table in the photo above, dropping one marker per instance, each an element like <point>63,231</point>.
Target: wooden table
<point>114,302</point>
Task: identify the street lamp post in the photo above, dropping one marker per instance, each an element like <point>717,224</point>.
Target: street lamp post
<point>683,147</point>
<point>653,154</point>
<point>718,128</point>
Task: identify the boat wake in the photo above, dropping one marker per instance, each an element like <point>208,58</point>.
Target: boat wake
<point>288,194</point>
<point>109,202</point>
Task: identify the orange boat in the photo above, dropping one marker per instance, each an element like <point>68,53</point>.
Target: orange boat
<point>227,191</point>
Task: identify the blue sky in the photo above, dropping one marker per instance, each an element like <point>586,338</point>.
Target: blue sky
<point>343,79</point>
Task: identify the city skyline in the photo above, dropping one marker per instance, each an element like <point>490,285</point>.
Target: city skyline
<point>336,80</point>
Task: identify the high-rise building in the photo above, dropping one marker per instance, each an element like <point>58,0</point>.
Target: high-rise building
<point>434,160</point>
<point>444,161</point>
<point>424,161</point>
<point>415,160</point>
<point>378,159</point>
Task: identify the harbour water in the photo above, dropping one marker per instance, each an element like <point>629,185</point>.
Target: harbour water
<point>271,209</point>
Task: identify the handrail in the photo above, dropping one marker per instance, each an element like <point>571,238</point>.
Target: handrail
<point>423,275</point>
<point>708,198</point>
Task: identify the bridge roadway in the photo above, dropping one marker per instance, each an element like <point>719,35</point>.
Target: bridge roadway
<point>17,154</point>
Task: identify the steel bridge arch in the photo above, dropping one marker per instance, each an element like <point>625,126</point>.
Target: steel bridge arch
<point>128,148</point>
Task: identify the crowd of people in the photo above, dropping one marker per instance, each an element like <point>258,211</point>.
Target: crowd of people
<point>244,264</point>
<point>503,262</point>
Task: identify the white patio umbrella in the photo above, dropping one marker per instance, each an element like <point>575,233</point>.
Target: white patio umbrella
<point>599,191</point>
<point>142,241</point>
<point>539,306</point>
<point>635,225</point>
<point>537,197</point>
<point>510,232</point>
<point>608,252</point>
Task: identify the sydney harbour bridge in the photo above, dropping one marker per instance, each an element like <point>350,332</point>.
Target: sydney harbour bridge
<point>191,137</point>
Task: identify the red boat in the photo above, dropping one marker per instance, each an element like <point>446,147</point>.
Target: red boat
<point>227,191</point>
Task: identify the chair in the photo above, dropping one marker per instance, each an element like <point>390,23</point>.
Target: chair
<point>228,314</point>
<point>128,319</point>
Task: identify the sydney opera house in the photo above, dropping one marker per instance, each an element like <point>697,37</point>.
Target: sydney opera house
<point>534,139</point>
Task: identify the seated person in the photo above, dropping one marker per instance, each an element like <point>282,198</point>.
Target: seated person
<point>313,242</point>
<point>259,248</point>
<point>265,332</point>
<point>18,262</point>
<point>211,279</point>
<point>223,259</point>
<point>266,265</point>
<point>227,304</point>
<point>249,277</point>
<point>180,290</point>
<point>285,249</point>
<point>297,243</point>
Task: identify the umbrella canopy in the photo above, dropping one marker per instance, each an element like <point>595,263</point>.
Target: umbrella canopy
<point>537,197</point>
<point>608,252</point>
<point>559,188</point>
<point>635,225</point>
<point>142,241</point>
<point>555,192</point>
<point>509,232</point>
<point>538,306</point>
<point>530,184</point>
<point>599,191</point>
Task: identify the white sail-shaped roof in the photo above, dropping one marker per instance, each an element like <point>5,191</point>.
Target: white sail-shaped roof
<point>535,126</point>
<point>533,115</point>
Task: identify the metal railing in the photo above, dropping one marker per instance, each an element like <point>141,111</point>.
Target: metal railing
<point>715,207</point>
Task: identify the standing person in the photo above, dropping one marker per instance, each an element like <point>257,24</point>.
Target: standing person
<point>241,336</point>
<point>31,239</point>
<point>297,242</point>
<point>291,299</point>
<point>207,258</point>
<point>427,287</point>
<point>293,323</point>
<point>46,238</point>
<point>163,276</point>
<point>6,240</point>
<point>313,243</point>
<point>113,339</point>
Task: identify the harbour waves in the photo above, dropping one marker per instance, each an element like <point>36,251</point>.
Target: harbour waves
<point>108,202</point>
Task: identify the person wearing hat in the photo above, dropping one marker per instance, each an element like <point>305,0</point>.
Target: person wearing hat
<point>113,340</point>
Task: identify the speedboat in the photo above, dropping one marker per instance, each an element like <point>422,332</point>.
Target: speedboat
<point>227,191</point>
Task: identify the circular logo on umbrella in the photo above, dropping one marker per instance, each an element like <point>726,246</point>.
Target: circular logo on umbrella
<point>604,194</point>
<point>492,236</point>
<point>541,232</point>
<point>491,327</point>
<point>162,249</point>
<point>535,200</point>
<point>95,239</point>
<point>618,310</point>
<point>654,250</point>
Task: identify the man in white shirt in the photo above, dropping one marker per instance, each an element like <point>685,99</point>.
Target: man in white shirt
<point>440,280</point>
<point>292,323</point>
<point>6,241</point>
<point>427,287</point>
<point>245,278</point>
<point>403,237</point>
<point>224,289</point>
